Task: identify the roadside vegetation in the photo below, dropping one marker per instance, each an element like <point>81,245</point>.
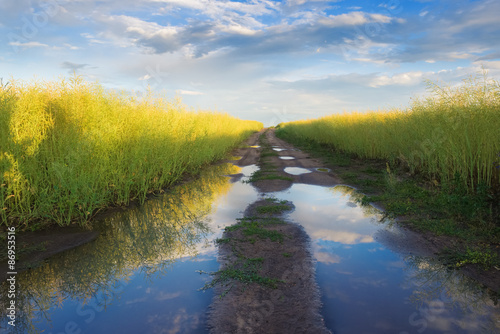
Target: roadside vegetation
<point>69,148</point>
<point>435,165</point>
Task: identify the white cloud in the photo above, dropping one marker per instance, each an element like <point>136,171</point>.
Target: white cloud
<point>327,258</point>
<point>408,78</point>
<point>353,19</point>
<point>188,92</point>
<point>71,47</point>
<point>260,57</point>
<point>301,2</point>
<point>29,45</point>
<point>344,237</point>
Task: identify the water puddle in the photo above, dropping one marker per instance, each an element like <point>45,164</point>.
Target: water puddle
<point>360,277</point>
<point>286,158</point>
<point>296,170</point>
<point>324,170</point>
<point>279,149</point>
<point>140,275</point>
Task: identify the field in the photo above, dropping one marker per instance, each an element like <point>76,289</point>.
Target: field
<point>453,133</point>
<point>69,148</point>
<point>435,165</point>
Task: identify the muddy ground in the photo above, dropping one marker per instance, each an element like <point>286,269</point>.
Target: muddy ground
<point>291,306</point>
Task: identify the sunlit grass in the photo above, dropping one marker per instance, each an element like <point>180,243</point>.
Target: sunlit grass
<point>453,132</point>
<point>68,148</point>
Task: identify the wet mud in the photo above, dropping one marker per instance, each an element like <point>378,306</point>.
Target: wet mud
<point>292,306</point>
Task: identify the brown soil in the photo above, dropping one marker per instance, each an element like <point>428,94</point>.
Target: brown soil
<point>291,307</point>
<point>301,159</point>
<point>249,155</point>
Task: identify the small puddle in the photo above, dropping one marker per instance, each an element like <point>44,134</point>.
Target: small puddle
<point>296,170</point>
<point>324,170</point>
<point>254,146</point>
<point>286,158</point>
<point>279,149</point>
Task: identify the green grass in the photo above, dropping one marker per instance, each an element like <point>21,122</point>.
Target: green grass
<point>271,153</point>
<point>449,210</point>
<point>256,227</point>
<point>245,271</point>
<point>70,148</point>
<point>262,233</point>
<point>222,240</point>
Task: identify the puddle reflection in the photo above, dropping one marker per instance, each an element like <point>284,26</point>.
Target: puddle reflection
<point>361,278</point>
<point>296,170</point>
<point>139,274</point>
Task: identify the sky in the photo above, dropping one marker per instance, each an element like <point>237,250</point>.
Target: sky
<point>273,61</point>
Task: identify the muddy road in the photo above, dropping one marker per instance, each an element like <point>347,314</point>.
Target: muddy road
<point>243,302</point>
<point>292,304</point>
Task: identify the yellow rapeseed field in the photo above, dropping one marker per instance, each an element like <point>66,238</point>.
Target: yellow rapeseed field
<point>70,147</point>
<point>454,131</point>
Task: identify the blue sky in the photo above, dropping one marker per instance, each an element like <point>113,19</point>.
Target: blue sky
<point>272,61</point>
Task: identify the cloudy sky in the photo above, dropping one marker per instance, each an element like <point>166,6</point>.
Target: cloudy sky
<point>272,61</point>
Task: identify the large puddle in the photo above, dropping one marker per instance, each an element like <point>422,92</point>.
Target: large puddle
<point>368,288</point>
<point>140,275</point>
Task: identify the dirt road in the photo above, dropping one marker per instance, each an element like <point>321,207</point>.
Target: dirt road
<point>266,283</point>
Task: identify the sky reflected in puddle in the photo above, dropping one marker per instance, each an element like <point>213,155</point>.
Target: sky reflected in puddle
<point>286,158</point>
<point>367,288</point>
<point>140,275</point>
<point>296,170</point>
